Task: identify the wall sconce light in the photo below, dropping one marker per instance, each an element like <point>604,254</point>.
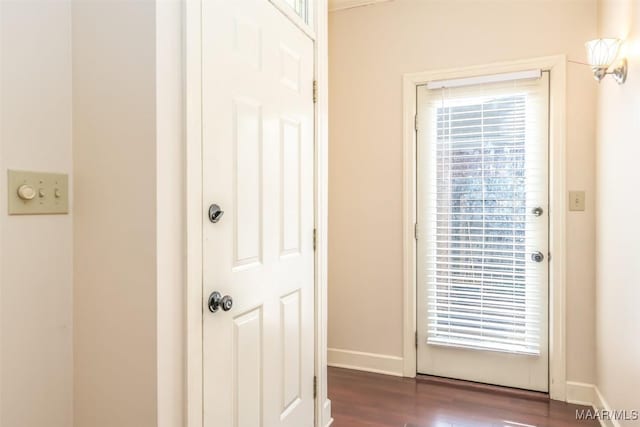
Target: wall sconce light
<point>602,53</point>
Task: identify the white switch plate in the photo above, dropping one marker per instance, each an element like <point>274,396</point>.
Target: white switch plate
<point>576,200</point>
<point>51,193</point>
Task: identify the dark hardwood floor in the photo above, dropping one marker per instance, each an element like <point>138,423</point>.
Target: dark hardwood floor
<point>362,399</point>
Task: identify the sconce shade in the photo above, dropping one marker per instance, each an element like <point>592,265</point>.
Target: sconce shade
<point>602,52</point>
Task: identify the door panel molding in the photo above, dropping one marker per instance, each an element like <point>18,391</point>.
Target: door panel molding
<point>247,333</point>
<point>557,200</point>
<point>291,357</point>
<point>247,182</point>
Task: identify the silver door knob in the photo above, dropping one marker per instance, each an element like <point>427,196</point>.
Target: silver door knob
<point>537,256</point>
<point>217,302</point>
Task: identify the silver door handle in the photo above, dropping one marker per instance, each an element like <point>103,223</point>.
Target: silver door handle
<point>537,256</point>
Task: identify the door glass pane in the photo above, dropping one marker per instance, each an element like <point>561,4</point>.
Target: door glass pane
<point>480,211</point>
<point>301,7</point>
<point>486,162</point>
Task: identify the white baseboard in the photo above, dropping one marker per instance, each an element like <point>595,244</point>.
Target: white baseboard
<point>326,413</point>
<point>589,395</point>
<point>580,393</point>
<point>369,362</point>
<point>601,404</point>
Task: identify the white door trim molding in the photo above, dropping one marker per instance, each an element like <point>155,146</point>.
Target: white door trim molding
<point>557,203</point>
<point>319,14</point>
<point>193,382</point>
<point>192,32</point>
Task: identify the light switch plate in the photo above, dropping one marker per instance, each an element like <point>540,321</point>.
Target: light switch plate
<point>51,193</point>
<point>576,200</point>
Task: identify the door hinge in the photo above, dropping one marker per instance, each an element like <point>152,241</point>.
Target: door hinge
<point>415,122</point>
<point>415,230</point>
<point>315,387</point>
<point>416,339</point>
<point>315,91</point>
<point>314,239</point>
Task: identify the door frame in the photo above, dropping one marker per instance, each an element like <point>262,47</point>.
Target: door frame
<point>557,202</point>
<point>194,305</point>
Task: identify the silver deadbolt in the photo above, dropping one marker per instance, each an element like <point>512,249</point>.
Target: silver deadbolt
<point>215,213</point>
<point>537,211</point>
<point>217,302</point>
<point>537,256</point>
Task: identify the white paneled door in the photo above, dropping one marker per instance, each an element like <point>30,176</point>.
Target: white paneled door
<point>258,168</point>
<point>483,229</point>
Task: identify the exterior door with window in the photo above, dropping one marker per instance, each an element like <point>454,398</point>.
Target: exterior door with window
<point>258,221</point>
<point>482,210</point>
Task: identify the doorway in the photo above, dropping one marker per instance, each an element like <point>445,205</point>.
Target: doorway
<point>482,234</point>
<point>553,70</point>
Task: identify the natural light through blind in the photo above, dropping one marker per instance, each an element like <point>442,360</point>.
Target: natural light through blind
<point>486,175</point>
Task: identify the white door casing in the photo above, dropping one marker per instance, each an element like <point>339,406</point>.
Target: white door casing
<point>258,165</point>
<point>557,65</point>
<point>504,367</point>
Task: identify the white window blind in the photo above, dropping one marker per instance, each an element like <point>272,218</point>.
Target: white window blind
<point>486,170</point>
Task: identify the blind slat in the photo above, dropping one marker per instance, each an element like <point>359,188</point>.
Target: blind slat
<point>442,317</point>
<point>484,338</point>
<point>475,344</point>
<point>507,324</point>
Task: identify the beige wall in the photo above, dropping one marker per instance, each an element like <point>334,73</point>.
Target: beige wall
<point>35,251</point>
<point>114,156</point>
<point>618,269</point>
<point>129,225</point>
<point>370,48</point>
<point>123,319</point>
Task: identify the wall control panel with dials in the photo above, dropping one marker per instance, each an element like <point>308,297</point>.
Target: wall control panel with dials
<point>38,193</point>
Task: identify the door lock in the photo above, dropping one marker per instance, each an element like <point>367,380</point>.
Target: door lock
<point>537,211</point>
<point>215,213</point>
<point>217,302</point>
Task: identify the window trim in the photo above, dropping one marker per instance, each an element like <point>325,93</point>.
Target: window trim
<point>557,192</point>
